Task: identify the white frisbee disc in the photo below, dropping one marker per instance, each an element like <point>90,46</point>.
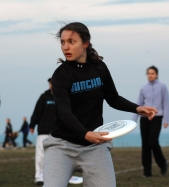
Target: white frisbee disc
<point>76,180</point>
<point>117,128</point>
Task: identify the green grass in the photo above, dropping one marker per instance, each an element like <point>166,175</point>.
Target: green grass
<point>128,158</point>
<point>17,169</point>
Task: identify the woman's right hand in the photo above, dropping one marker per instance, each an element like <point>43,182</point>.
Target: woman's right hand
<point>97,137</point>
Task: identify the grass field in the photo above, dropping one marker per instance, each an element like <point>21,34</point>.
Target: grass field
<point>17,169</point>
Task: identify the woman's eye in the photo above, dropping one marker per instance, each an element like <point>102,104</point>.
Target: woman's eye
<point>71,41</point>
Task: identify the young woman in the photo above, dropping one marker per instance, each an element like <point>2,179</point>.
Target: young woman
<point>80,85</point>
<point>154,93</point>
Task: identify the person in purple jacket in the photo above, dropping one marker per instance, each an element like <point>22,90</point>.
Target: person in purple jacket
<point>153,94</point>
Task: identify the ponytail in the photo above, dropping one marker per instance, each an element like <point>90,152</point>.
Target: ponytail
<point>93,55</point>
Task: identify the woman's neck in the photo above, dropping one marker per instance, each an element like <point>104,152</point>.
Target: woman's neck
<point>82,58</point>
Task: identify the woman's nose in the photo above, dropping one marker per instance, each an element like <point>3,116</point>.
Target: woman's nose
<point>66,46</point>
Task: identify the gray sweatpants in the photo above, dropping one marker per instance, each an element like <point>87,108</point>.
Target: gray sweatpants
<point>63,158</point>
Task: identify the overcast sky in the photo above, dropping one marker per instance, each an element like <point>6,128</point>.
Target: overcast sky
<point>131,35</point>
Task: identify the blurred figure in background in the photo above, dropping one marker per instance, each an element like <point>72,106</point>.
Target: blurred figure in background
<point>153,94</point>
<point>43,116</point>
<point>9,134</point>
<point>25,130</point>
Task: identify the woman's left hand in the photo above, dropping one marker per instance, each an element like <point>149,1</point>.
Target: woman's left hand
<point>165,125</point>
<point>146,111</point>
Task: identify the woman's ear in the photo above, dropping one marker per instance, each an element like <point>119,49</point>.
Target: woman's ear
<point>86,44</point>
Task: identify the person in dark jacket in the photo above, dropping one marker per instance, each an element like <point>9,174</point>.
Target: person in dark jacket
<point>43,116</point>
<point>25,130</point>
<point>80,85</point>
<point>9,134</point>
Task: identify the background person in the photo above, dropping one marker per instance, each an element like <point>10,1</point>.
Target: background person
<point>43,116</point>
<point>25,130</point>
<point>9,134</point>
<point>154,94</point>
<point>80,85</point>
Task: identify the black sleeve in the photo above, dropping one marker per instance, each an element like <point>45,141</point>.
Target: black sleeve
<point>24,126</point>
<point>61,85</point>
<point>38,112</point>
<point>21,129</point>
<point>112,97</point>
<point>6,130</point>
<point>10,129</point>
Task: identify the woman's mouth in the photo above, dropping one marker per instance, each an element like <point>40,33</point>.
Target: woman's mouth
<point>68,54</point>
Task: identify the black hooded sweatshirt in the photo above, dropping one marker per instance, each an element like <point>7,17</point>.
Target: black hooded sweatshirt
<point>79,91</point>
<point>8,129</point>
<point>44,113</point>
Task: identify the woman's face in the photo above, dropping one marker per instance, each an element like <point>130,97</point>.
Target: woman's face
<point>151,75</point>
<point>7,120</point>
<point>72,46</point>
